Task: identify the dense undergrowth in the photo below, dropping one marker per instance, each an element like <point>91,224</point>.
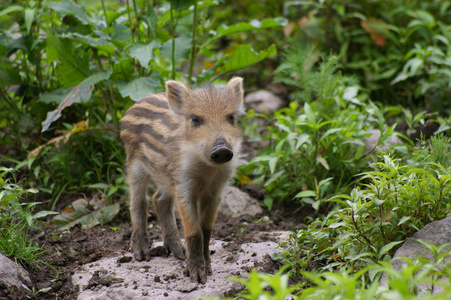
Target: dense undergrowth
<point>364,139</point>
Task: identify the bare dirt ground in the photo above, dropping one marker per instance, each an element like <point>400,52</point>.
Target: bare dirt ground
<point>67,251</point>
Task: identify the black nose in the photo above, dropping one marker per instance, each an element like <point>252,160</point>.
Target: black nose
<point>221,152</point>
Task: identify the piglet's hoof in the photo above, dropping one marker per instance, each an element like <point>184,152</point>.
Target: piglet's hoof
<point>175,246</point>
<point>141,248</point>
<point>197,274</point>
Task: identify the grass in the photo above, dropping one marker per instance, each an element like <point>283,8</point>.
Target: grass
<point>16,219</point>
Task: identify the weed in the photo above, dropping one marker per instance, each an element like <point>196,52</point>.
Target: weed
<point>16,219</point>
<point>390,204</point>
<point>350,284</point>
<point>316,149</point>
<point>398,49</point>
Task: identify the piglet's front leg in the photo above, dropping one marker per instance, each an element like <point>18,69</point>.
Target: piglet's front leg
<point>195,260</point>
<point>194,239</point>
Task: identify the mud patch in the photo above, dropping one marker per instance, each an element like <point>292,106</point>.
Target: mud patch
<point>163,277</point>
<point>67,251</point>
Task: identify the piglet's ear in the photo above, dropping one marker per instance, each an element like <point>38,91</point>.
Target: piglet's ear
<point>235,86</point>
<point>176,93</point>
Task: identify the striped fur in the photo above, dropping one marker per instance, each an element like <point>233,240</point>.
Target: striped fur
<point>186,143</point>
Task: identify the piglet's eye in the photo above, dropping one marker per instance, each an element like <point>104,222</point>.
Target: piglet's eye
<point>231,119</point>
<point>196,121</point>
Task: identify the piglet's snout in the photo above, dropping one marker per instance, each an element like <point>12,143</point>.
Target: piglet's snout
<point>221,152</point>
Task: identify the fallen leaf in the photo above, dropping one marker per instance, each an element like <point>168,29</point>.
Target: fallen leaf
<point>376,35</point>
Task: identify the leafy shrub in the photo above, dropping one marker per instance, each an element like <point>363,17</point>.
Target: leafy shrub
<point>362,284</point>
<point>389,205</point>
<point>16,219</point>
<point>398,49</point>
<point>88,158</point>
<point>315,150</point>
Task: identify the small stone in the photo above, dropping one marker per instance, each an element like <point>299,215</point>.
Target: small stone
<point>188,287</point>
<point>236,203</point>
<point>12,274</point>
<point>125,259</point>
<point>263,101</point>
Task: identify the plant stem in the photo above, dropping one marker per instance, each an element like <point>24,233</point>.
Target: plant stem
<point>358,230</point>
<point>4,95</point>
<point>39,55</point>
<point>419,203</point>
<point>113,108</point>
<point>104,13</point>
<point>173,43</point>
<point>135,8</point>
<point>194,46</point>
<point>130,21</point>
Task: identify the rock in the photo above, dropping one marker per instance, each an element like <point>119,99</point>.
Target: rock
<point>235,203</point>
<point>12,274</point>
<point>137,280</point>
<point>371,141</point>
<point>263,101</point>
<point>437,233</point>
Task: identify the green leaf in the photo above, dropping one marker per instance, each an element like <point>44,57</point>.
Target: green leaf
<point>57,48</point>
<point>306,194</point>
<point>329,132</point>
<point>143,53</point>
<point>245,56</point>
<point>268,201</point>
<point>78,94</point>
<point>91,219</point>
<point>44,213</point>
<point>338,224</point>
<point>121,33</point>
<point>98,43</point>
<point>350,94</point>
<point>388,247</point>
<point>11,9</point>
<point>403,220</point>
<point>100,186</point>
<point>182,48</point>
<point>139,88</point>
<point>29,17</point>
<point>311,119</point>
<point>123,70</point>
<point>70,70</point>
<point>262,158</point>
<point>243,27</point>
<point>423,172</point>
<point>9,76</point>
<point>272,164</point>
<point>303,138</point>
<point>54,97</point>
<point>67,7</point>
<point>151,19</point>
<point>323,161</point>
<point>181,4</point>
